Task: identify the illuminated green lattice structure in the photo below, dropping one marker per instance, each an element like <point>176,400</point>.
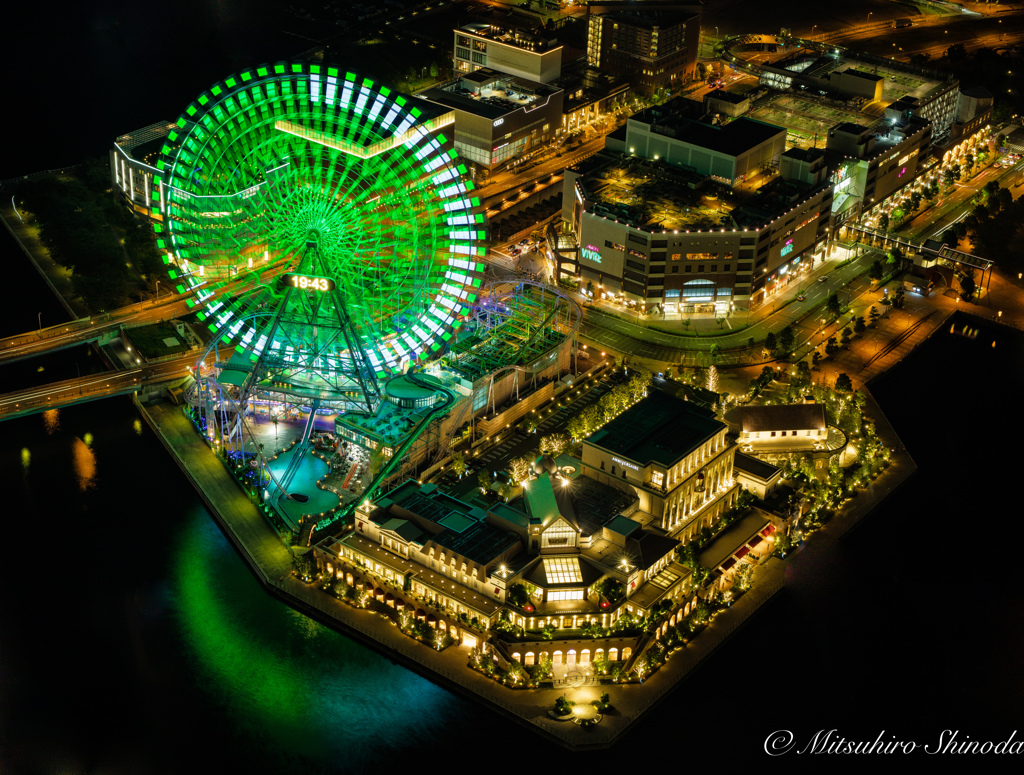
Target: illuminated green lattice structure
<point>298,168</point>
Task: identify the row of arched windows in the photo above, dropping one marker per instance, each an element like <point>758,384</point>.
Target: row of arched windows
<point>570,657</point>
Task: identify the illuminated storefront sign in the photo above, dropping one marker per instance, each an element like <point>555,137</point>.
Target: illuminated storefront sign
<point>908,157</point>
<point>787,248</point>
<point>625,463</point>
<point>591,253</point>
<point>499,122</point>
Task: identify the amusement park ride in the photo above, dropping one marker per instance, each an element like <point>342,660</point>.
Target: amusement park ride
<point>332,244</point>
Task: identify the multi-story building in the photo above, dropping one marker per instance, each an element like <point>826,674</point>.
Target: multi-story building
<point>590,94</point>
<point>731,152</point>
<point>132,164</point>
<point>499,116</point>
<point>973,112</point>
<point>667,239</point>
<point>654,44</point>
<point>871,163</point>
<point>531,54</point>
<point>566,534</point>
<point>675,455</point>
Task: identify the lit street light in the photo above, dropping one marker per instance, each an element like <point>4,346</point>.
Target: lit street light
<point>39,318</point>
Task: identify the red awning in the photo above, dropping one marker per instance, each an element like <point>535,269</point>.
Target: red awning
<point>768,531</point>
<point>389,597</point>
<point>420,613</point>
<point>753,544</point>
<point>431,618</point>
<point>742,551</point>
<point>728,563</point>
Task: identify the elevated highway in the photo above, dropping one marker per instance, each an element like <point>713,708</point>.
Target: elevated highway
<point>92,387</point>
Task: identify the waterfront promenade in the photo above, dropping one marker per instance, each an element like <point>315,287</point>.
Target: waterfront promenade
<point>271,562</point>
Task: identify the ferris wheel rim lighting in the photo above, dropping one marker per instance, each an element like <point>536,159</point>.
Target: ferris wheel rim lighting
<point>221,172</point>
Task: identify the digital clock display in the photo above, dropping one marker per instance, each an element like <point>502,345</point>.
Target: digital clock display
<point>306,282</point>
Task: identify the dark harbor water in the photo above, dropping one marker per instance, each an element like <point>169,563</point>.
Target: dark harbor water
<point>134,640</point>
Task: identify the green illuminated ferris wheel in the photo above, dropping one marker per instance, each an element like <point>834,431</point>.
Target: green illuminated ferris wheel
<point>324,225</point>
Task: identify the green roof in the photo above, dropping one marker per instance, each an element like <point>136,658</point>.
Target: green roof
<point>540,499</point>
<point>657,429</point>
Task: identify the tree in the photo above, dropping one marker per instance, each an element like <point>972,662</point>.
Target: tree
<point>831,346</point>
<point>956,53</point>
<point>713,352</point>
<point>873,314</point>
<point>786,340</point>
<point>957,171</point>
<point>968,160</point>
<point>519,468</point>
<point>876,271</point>
<point>712,383</point>
<point>915,199</point>
<point>576,426</point>
<point>554,445</point>
<point>897,298</point>
<point>949,236</point>
<point>967,286</point>
<point>844,384</point>
<point>859,326</point>
<point>563,706</point>
<point>376,460</point>
<point>883,221</point>
<point>766,377</point>
<point>847,336</point>
<point>770,343</point>
<point>638,383</point>
<point>948,177</point>
<point>834,306</point>
<point>517,596</point>
<point>459,464</point>
<point>505,490</point>
<point>484,479</point>
<point>815,358</point>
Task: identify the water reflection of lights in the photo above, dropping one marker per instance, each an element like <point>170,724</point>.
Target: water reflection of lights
<point>51,421</point>
<point>84,460</point>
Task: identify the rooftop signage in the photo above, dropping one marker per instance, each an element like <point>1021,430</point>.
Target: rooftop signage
<point>591,253</point>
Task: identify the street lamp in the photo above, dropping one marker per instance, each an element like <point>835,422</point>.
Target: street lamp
<point>869,16</point>
<point>158,289</point>
<point>39,318</point>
